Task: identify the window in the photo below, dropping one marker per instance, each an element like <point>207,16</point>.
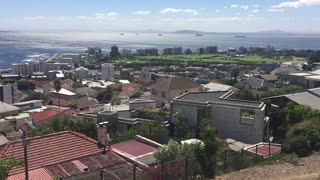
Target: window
<point>247,117</point>
<point>154,92</point>
<point>163,94</point>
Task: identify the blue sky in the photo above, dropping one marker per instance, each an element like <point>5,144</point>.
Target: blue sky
<point>167,15</point>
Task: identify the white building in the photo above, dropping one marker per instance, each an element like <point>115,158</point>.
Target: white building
<point>107,71</point>
<point>26,69</point>
<point>81,73</point>
<point>8,93</point>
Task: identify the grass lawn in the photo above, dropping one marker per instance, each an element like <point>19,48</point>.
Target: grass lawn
<point>212,59</point>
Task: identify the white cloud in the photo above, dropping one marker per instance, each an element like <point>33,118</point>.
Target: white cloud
<point>172,10</point>
<point>218,10</point>
<point>99,14</point>
<point>275,10</point>
<point>234,6</point>
<point>297,4</point>
<point>250,15</point>
<point>112,14</point>
<point>34,17</point>
<point>225,7</point>
<point>255,10</point>
<point>256,6</point>
<point>204,19</point>
<point>244,7</point>
<point>142,12</point>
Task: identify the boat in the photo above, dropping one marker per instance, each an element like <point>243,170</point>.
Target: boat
<point>137,34</point>
<point>199,34</point>
<point>241,36</point>
<point>121,34</point>
<point>159,34</point>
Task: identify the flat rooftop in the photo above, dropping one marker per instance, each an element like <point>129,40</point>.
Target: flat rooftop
<point>305,98</point>
<point>216,97</point>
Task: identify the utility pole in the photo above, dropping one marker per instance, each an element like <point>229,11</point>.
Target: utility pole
<point>25,142</point>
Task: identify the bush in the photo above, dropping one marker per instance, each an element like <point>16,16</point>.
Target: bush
<point>298,145</point>
<point>25,85</point>
<point>136,95</point>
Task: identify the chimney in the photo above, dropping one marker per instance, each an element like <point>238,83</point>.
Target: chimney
<point>103,136</point>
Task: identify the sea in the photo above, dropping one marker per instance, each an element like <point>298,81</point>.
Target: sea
<point>16,47</point>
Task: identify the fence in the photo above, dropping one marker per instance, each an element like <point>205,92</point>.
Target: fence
<point>185,168</point>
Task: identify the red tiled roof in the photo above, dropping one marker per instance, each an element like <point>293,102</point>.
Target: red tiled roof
<point>128,89</point>
<point>47,115</point>
<point>50,149</point>
<point>174,83</point>
<point>133,148</point>
<point>37,174</point>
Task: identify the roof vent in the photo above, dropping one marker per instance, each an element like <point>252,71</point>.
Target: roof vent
<point>85,169</point>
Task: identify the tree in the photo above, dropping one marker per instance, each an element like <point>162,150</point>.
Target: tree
<point>123,136</point>
<point>315,57</point>
<point>206,152</point>
<point>173,151</point>
<point>115,100</point>
<point>245,94</point>
<point>181,128</point>
<point>136,95</point>
<point>25,85</point>
<point>6,164</point>
<point>57,87</point>
<point>154,130</point>
<point>105,95</point>
<point>37,96</point>
<point>86,126</point>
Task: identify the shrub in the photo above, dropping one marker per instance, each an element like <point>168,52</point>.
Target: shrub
<point>298,145</point>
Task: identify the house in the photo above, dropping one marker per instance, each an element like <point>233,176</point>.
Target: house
<point>310,98</point>
<point>30,105</point>
<point>244,121</point>
<point>65,154</point>
<point>284,70</point>
<point>254,83</point>
<point>268,77</point>
<point>8,110</point>
<point>139,150</point>
<point>167,88</point>
<point>86,91</point>
<point>215,86</point>
<point>64,94</point>
<point>44,117</point>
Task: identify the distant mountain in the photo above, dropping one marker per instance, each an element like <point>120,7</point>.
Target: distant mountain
<point>275,32</point>
<point>271,32</point>
<point>191,32</point>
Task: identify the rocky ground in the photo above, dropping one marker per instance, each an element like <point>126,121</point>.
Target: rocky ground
<point>292,168</point>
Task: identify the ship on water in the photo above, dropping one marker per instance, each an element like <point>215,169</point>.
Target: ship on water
<point>240,36</point>
<point>199,34</point>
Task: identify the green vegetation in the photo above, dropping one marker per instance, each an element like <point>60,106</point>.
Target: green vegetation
<point>314,57</point>
<point>25,85</point>
<point>281,91</point>
<point>119,137</point>
<point>86,126</point>
<point>299,126</point>
<point>197,59</point>
<point>37,96</point>
<point>106,95</point>
<point>136,95</point>
<point>154,130</point>
<point>6,164</point>
<point>78,84</point>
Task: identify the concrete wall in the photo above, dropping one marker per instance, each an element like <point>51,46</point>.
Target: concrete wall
<point>189,113</point>
<point>227,121</point>
<point>148,105</point>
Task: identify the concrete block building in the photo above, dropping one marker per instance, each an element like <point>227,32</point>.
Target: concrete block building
<point>244,121</point>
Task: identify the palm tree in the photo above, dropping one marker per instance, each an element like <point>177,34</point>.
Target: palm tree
<point>57,87</point>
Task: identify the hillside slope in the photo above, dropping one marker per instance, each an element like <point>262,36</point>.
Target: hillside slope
<point>305,168</point>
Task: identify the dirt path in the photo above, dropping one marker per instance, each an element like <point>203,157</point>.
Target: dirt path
<point>307,168</point>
